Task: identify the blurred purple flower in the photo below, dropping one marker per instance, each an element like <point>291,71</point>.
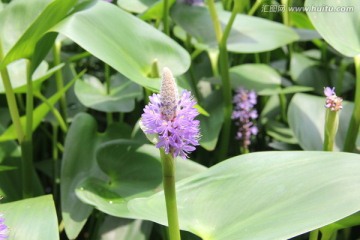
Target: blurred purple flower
<point>333,102</point>
<point>244,114</point>
<point>4,230</point>
<point>172,119</point>
<point>194,2</point>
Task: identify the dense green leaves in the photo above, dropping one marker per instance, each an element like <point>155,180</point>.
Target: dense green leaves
<point>344,31</point>
<point>248,35</point>
<point>79,162</point>
<point>17,73</point>
<point>32,219</point>
<point>132,49</point>
<point>38,114</point>
<point>133,171</point>
<point>308,72</point>
<point>44,20</point>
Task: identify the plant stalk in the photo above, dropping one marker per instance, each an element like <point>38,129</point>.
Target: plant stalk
<point>224,71</point>
<point>109,116</point>
<point>353,128</point>
<point>11,100</point>
<point>314,234</point>
<point>168,166</point>
<point>166,17</point>
<point>331,127</point>
<point>59,79</point>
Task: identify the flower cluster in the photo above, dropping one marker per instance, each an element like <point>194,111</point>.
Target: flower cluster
<point>172,118</point>
<point>333,102</point>
<point>244,113</point>
<point>4,230</point>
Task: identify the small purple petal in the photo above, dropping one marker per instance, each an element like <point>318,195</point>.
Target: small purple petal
<point>4,230</point>
<point>329,91</point>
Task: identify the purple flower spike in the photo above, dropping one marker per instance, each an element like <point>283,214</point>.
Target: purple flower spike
<point>172,118</point>
<point>4,230</point>
<point>245,114</point>
<point>333,102</point>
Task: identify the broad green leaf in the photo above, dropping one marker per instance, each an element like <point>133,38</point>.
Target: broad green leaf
<point>340,28</point>
<point>264,195</point>
<point>308,72</point>
<point>16,18</point>
<point>93,94</point>
<point>130,48</point>
<point>17,73</point>
<point>32,219</point>
<point>133,171</point>
<point>306,116</point>
<point>42,21</point>
<point>113,228</point>
<point>79,163</point>
<point>265,79</point>
<point>39,113</point>
<point>248,35</point>
<point>210,126</point>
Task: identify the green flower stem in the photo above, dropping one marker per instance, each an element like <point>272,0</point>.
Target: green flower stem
<point>224,71</point>
<point>283,107</point>
<point>166,17</point>
<point>109,116</point>
<point>27,166</point>
<point>79,56</point>
<point>254,7</point>
<point>331,127</point>
<point>353,128</point>
<point>55,156</point>
<point>29,102</point>
<point>286,17</point>
<point>14,112</point>
<point>59,79</point>
<point>215,20</point>
<point>10,97</point>
<point>55,112</point>
<point>168,166</point>
<point>314,235</point>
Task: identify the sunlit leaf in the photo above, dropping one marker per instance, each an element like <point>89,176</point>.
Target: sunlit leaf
<point>32,219</point>
<point>287,196</point>
<point>131,49</point>
<point>344,34</point>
